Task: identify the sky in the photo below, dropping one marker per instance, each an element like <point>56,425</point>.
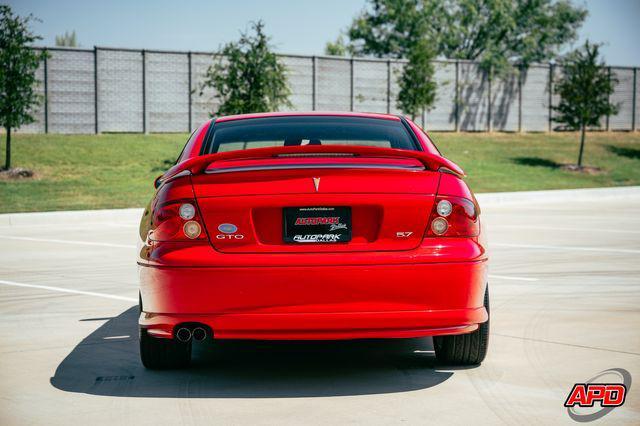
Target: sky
<point>295,26</point>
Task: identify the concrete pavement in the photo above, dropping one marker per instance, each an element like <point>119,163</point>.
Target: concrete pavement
<point>565,289</point>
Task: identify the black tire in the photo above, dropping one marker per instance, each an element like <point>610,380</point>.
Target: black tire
<point>464,349</point>
<point>163,353</point>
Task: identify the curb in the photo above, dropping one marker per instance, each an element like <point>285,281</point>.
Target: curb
<point>494,199</point>
<point>121,216</point>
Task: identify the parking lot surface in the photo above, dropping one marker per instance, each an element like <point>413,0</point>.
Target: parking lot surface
<point>565,296</point>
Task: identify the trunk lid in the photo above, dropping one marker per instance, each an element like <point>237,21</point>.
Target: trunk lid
<point>243,202</point>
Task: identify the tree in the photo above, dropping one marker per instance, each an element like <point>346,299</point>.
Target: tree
<point>497,33</point>
<point>18,65</point>
<point>67,39</point>
<point>388,28</point>
<point>247,76</point>
<point>417,86</point>
<point>584,89</point>
<point>338,47</point>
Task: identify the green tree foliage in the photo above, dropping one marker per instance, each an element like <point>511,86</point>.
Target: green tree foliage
<point>417,86</point>
<point>497,33</point>
<point>388,28</point>
<point>18,65</point>
<point>338,47</point>
<point>584,89</point>
<point>67,39</point>
<point>247,76</point>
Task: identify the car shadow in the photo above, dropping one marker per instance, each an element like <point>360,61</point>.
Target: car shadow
<point>107,363</point>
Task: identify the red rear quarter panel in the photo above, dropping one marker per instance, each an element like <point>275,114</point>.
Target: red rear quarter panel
<point>423,138</point>
<point>194,144</point>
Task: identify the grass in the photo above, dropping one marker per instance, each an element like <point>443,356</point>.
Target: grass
<point>498,162</point>
<point>75,172</point>
<point>117,170</point>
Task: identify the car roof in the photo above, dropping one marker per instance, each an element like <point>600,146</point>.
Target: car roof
<point>308,114</point>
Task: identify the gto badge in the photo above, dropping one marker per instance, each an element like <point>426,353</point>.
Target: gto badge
<point>229,237</point>
<point>227,228</point>
<point>316,183</point>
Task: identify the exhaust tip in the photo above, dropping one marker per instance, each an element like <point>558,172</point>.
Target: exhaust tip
<point>199,334</point>
<point>183,334</point>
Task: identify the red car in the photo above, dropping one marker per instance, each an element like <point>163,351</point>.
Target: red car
<point>312,226</point>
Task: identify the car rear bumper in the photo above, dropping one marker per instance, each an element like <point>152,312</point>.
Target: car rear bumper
<point>316,302</point>
<point>329,326</point>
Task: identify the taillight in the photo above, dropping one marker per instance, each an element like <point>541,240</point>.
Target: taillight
<point>177,221</point>
<point>453,217</point>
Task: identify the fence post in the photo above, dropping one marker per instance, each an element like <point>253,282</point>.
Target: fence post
<point>608,96</point>
<point>46,94</point>
<point>352,92</point>
<point>144,92</point>
<point>489,124</point>
<point>551,71</point>
<point>189,89</point>
<point>314,82</point>
<point>388,86</point>
<point>95,87</point>
<point>634,104</point>
<point>456,105</point>
<point>520,73</point>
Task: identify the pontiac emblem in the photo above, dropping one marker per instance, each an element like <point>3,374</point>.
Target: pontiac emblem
<point>316,183</point>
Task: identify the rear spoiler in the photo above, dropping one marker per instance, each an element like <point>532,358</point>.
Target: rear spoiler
<point>198,165</point>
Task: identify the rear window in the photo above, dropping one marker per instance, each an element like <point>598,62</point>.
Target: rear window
<point>305,130</point>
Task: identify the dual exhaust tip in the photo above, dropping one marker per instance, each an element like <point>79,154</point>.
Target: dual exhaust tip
<point>184,334</point>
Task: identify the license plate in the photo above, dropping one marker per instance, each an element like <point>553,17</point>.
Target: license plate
<point>317,224</point>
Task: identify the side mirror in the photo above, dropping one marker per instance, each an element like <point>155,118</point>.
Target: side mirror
<point>157,182</point>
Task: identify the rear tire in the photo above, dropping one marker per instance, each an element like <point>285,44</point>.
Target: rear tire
<point>163,353</point>
<point>464,349</point>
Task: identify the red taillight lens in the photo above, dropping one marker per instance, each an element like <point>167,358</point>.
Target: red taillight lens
<point>177,221</point>
<point>453,217</point>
